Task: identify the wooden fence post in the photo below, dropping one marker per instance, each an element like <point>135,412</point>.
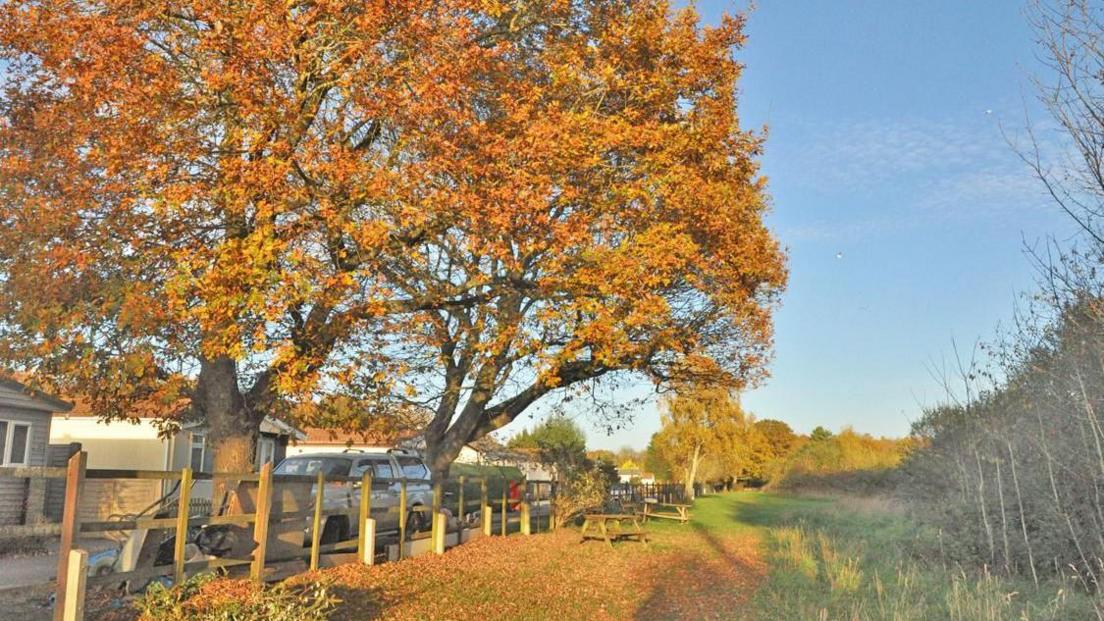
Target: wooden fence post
<point>505,486</point>
<point>183,510</point>
<point>460,503</point>
<point>74,586</point>
<point>485,507</point>
<point>526,527</point>
<point>70,526</point>
<point>368,552</point>
<point>402,517</point>
<point>316,523</point>
<point>260,525</point>
<point>552,506</point>
<point>437,491</point>
<point>366,545</point>
<point>538,502</point>
<point>440,526</point>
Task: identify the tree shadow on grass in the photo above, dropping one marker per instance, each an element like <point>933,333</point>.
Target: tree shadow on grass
<point>357,603</point>
<point>773,511</point>
<point>709,577</point>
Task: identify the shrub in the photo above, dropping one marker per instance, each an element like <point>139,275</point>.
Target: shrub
<point>208,598</point>
<point>583,490</point>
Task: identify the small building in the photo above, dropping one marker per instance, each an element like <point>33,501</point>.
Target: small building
<point>630,472</point>
<point>142,443</point>
<point>487,451</point>
<point>25,417</point>
<point>480,452</point>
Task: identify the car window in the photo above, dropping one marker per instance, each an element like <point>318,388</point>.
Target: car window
<point>332,466</point>
<point>413,468</point>
<point>360,467</point>
<point>383,469</point>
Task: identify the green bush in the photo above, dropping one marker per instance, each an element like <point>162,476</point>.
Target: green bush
<point>208,598</point>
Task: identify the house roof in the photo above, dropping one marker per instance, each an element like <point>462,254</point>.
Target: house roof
<point>16,395</point>
<point>514,455</point>
<point>145,408</point>
<point>269,424</point>
<point>486,444</point>
<point>339,437</point>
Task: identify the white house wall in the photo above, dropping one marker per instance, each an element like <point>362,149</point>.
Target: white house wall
<point>468,455</point>
<point>118,445</point>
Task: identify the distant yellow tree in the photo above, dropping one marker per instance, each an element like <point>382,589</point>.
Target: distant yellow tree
<point>702,424</point>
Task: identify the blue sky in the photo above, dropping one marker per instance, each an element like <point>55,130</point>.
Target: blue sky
<point>885,144</point>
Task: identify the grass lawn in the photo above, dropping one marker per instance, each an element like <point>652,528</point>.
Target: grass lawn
<point>852,559</point>
<point>744,555</point>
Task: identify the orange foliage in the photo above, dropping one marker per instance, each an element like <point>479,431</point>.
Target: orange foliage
<point>457,205</point>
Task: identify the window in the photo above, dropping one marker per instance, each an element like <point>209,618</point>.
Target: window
<point>266,451</point>
<point>15,441</point>
<point>199,450</point>
<point>379,466</point>
<point>334,466</point>
<point>413,468</point>
<point>383,469</point>
<point>361,467</point>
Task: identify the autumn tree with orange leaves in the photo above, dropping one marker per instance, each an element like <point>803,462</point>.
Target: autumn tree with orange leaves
<point>454,208</point>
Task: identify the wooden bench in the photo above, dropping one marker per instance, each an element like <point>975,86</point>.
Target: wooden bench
<point>668,511</point>
<point>611,526</point>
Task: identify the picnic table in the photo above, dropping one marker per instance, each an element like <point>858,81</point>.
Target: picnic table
<point>612,526</point>
<point>668,511</point>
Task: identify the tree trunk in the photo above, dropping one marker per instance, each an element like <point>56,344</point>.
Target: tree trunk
<point>231,429</point>
<point>441,450</point>
<point>692,472</point>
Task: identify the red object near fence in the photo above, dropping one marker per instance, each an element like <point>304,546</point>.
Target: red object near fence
<point>515,495</point>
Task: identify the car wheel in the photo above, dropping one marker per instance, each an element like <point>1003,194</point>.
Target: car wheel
<point>417,521</point>
<point>332,532</point>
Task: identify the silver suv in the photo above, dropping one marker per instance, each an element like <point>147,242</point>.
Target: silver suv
<point>387,469</point>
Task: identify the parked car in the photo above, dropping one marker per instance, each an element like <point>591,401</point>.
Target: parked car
<point>386,468</point>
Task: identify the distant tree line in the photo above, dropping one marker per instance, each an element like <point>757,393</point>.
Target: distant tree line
<point>707,438</point>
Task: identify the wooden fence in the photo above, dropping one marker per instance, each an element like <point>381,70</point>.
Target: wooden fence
<point>641,492</point>
<point>271,511</point>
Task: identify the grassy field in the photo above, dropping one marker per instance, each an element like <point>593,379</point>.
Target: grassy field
<point>849,559</point>
<point>744,555</point>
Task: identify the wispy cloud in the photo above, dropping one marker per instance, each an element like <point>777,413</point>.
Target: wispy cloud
<point>917,172</point>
